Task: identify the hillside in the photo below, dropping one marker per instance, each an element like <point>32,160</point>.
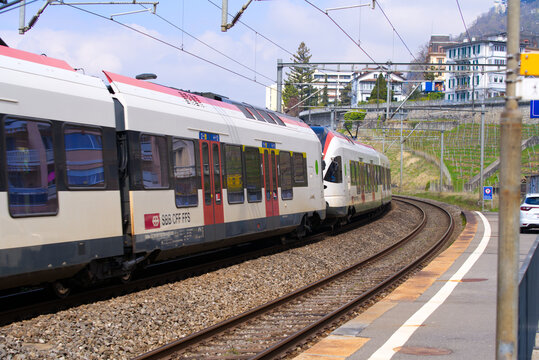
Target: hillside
<point>493,22</point>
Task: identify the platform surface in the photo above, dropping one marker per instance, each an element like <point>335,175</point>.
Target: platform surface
<point>446,311</point>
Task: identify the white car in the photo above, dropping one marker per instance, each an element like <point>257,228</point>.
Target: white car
<point>529,212</point>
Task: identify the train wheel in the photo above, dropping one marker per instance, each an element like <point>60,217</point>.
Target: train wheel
<point>126,277</point>
<point>60,290</point>
<point>301,230</point>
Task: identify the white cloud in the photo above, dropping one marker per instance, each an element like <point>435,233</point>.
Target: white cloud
<point>94,44</point>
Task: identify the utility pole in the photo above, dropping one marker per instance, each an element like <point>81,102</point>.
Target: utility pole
<point>224,15</point>
<point>388,85</point>
<point>441,159</point>
<point>22,17</point>
<point>482,155</point>
<point>402,150</point>
<point>508,242</point>
<point>279,84</point>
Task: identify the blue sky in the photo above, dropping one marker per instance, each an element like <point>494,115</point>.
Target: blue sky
<point>95,43</point>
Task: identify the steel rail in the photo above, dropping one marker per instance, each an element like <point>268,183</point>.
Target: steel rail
<point>284,346</point>
<point>281,347</point>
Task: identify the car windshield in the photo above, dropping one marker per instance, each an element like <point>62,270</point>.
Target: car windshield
<point>532,200</point>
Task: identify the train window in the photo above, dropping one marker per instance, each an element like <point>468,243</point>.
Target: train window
<point>255,113</point>
<point>356,166</point>
<point>234,174</point>
<point>334,173</point>
<point>245,112</point>
<point>368,177</point>
<point>362,176</point>
<point>285,161</point>
<point>216,173</point>
<point>153,154</point>
<point>252,174</point>
<point>352,172</point>
<point>300,169</point>
<point>277,119</point>
<point>266,117</point>
<point>185,176</point>
<point>206,173</point>
<point>274,166</point>
<point>267,184</point>
<point>30,168</point>
<point>84,157</point>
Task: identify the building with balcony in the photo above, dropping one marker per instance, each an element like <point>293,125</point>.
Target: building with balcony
<point>335,82</point>
<point>437,56</point>
<point>465,81</point>
<point>364,81</point>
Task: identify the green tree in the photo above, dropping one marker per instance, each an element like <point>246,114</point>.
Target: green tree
<point>324,98</point>
<point>301,77</point>
<point>354,117</point>
<point>290,99</point>
<point>346,95</point>
<point>379,92</point>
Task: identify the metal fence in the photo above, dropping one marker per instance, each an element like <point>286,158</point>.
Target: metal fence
<point>528,303</point>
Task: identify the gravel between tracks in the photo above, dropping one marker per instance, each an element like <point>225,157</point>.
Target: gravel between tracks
<point>126,326</point>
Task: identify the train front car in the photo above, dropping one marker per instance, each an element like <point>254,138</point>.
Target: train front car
<point>59,192</point>
<point>356,177</point>
<point>204,173</point>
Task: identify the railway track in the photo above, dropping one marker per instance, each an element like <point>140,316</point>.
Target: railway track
<point>39,301</point>
<point>272,330</point>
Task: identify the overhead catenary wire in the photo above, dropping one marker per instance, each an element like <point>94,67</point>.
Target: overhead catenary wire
<point>8,9</point>
<point>394,29</point>
<point>340,27</point>
<point>169,44</point>
<point>259,34</point>
<point>463,22</point>
<point>211,47</point>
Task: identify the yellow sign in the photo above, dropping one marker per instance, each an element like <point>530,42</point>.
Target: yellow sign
<point>529,64</point>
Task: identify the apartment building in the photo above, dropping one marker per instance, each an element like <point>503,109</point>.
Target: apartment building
<point>465,81</point>
<point>364,81</point>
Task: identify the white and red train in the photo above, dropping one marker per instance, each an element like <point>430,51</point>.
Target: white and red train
<point>98,179</point>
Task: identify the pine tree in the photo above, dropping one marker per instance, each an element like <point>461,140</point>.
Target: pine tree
<point>301,78</point>
<point>346,95</point>
<point>324,98</point>
<point>380,89</point>
<point>290,99</point>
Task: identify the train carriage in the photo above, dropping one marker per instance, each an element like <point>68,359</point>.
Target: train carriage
<point>237,172</point>
<point>59,191</point>
<point>356,178</point>
<point>98,179</point>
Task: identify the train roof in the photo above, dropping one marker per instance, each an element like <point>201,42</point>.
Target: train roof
<point>55,76</point>
<point>42,87</point>
<point>327,135</point>
<point>34,58</point>
<point>247,111</point>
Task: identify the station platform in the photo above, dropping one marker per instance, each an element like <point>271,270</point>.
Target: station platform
<point>446,311</point>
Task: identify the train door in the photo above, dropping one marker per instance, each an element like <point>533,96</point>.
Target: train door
<point>270,182</point>
<point>212,187</point>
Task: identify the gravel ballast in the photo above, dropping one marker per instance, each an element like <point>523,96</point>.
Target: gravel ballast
<point>127,326</point>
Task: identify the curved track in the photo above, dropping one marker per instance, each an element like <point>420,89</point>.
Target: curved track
<point>271,330</point>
